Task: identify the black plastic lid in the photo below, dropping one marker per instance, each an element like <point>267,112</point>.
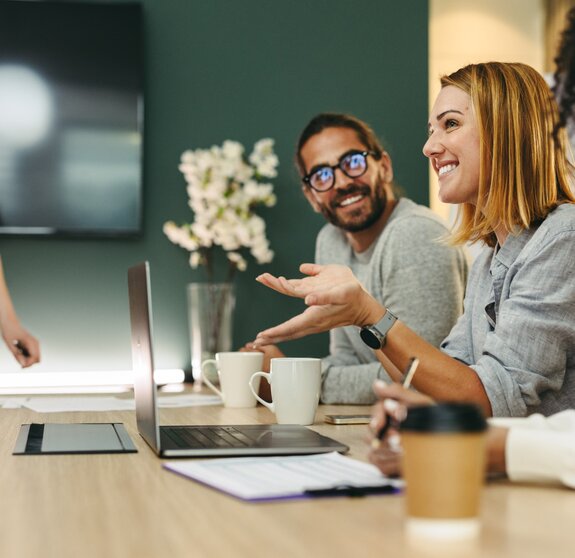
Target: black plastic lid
<point>445,417</point>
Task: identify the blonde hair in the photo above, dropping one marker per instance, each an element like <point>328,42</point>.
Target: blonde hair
<point>523,169</point>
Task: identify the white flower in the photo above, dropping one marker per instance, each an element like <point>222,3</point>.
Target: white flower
<point>264,159</point>
<point>267,168</point>
<point>224,189</point>
<point>195,260</point>
<point>237,260</point>
<point>171,231</point>
<point>264,147</point>
<point>243,172</point>
<point>188,156</point>
<point>181,236</point>
<point>262,254</point>
<point>257,226</point>
<point>202,233</point>
<point>243,234</point>
<point>215,190</point>
<point>232,149</point>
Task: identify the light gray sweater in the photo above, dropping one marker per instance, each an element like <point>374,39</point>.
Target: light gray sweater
<point>420,279</point>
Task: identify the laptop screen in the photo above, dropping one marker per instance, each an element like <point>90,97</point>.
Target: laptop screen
<point>142,357</point>
<point>205,440</point>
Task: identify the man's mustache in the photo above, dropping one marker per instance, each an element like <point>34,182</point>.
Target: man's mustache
<point>350,191</point>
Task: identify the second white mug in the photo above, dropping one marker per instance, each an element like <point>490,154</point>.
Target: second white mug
<point>295,386</point>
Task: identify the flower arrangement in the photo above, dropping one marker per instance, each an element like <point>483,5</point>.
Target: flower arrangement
<point>224,190</point>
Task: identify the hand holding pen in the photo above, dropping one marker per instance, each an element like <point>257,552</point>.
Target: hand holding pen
<point>25,348</point>
<point>392,407</point>
<point>394,400</point>
<point>21,348</point>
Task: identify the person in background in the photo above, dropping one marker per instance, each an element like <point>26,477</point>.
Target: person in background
<point>392,245</point>
<point>494,143</point>
<point>20,343</point>
<point>563,83</point>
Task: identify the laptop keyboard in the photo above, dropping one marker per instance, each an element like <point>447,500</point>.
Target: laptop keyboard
<point>206,437</point>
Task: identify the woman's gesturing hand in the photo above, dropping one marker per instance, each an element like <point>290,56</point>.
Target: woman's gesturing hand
<point>334,297</point>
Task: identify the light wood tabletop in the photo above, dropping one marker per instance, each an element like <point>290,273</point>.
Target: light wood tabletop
<point>126,505</point>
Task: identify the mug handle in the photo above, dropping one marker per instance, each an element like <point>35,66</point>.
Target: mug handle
<point>205,379</point>
<point>267,378</point>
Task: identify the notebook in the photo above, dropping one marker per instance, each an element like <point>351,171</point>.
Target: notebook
<point>200,440</point>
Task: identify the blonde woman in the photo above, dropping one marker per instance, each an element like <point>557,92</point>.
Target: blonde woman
<point>512,352</point>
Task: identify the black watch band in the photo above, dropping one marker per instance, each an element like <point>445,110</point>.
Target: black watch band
<point>374,335</point>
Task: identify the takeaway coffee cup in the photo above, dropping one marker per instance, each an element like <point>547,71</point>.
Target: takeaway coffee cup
<point>444,468</point>
<point>295,386</point>
<point>234,371</point>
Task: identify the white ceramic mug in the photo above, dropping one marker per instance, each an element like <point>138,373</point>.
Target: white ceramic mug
<point>234,371</point>
<point>295,385</point>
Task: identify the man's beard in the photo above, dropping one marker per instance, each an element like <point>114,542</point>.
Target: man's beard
<point>356,223</point>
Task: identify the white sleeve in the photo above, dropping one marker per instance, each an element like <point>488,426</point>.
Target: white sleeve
<point>541,449</point>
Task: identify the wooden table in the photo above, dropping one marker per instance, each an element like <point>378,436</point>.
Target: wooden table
<point>127,506</point>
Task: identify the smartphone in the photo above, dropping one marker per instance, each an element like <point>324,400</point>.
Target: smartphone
<point>347,419</point>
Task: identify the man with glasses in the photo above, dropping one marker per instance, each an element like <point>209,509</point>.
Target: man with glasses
<point>391,244</point>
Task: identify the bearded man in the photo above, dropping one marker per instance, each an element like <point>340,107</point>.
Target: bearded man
<point>393,246</point>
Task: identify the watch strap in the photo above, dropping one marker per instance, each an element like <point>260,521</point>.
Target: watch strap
<point>374,336</point>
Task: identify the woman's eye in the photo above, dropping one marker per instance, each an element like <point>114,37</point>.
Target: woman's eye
<point>450,123</point>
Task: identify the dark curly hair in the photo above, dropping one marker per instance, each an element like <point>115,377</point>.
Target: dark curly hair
<point>564,76</point>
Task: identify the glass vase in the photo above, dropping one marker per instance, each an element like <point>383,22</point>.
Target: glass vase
<point>210,318</point>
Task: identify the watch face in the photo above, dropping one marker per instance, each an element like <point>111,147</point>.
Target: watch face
<point>369,337</point>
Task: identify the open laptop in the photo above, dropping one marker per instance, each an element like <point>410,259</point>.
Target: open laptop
<point>200,440</point>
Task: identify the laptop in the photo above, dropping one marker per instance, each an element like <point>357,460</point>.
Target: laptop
<point>200,440</point>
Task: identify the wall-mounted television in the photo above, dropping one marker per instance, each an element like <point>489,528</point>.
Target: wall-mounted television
<point>71,108</point>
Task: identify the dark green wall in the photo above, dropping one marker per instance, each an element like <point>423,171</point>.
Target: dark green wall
<point>216,70</point>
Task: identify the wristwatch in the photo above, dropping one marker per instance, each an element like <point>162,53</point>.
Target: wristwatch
<point>374,335</point>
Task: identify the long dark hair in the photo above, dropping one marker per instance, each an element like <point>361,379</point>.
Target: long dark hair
<point>564,77</point>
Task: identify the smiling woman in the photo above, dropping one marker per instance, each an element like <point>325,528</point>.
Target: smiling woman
<point>453,146</point>
<point>522,171</point>
<point>513,350</point>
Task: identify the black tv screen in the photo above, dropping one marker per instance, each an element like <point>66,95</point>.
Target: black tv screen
<point>70,118</point>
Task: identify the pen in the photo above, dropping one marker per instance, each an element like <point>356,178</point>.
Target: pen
<point>353,491</point>
<point>21,348</point>
<point>411,368</point>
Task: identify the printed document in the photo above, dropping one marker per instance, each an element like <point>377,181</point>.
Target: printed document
<point>300,476</point>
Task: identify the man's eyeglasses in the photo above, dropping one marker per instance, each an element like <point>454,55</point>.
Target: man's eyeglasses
<point>352,164</point>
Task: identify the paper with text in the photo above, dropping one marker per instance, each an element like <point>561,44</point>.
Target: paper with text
<point>270,478</point>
